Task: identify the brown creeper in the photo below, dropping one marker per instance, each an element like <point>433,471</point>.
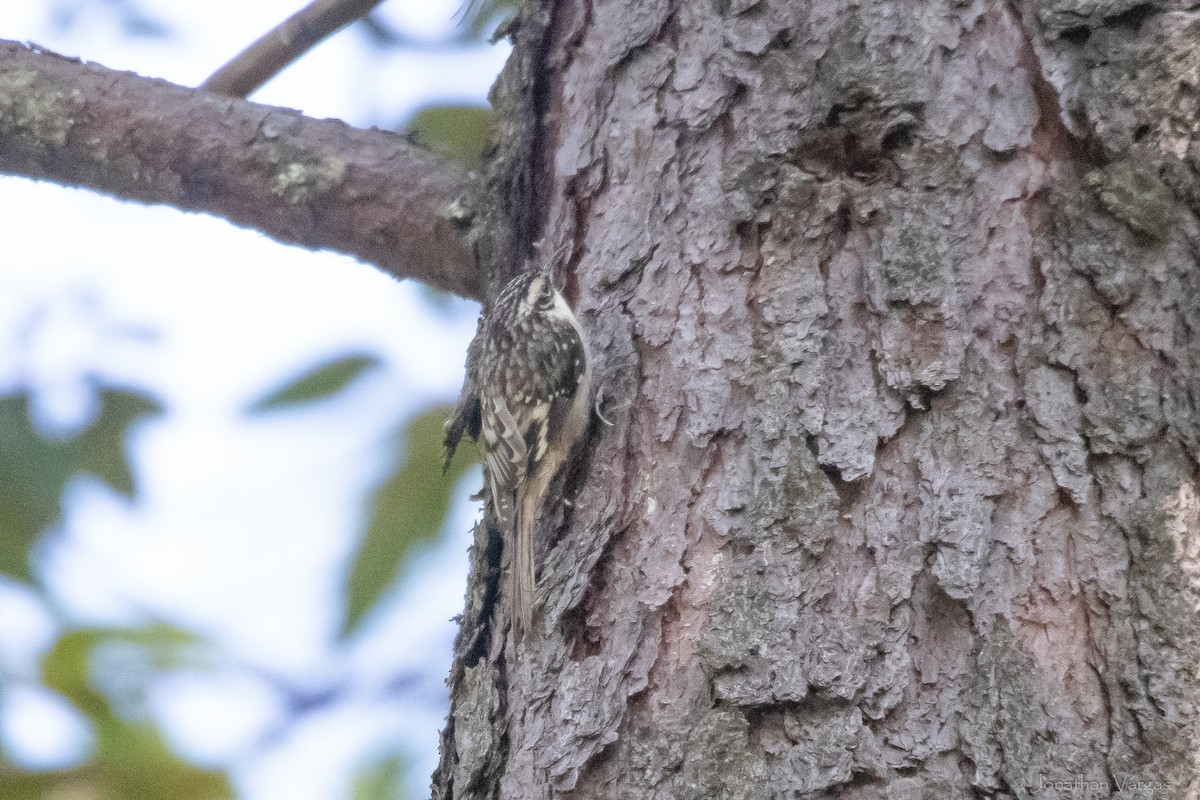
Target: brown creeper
<point>532,377</point>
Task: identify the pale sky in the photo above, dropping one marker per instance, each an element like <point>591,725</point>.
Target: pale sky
<point>243,527</point>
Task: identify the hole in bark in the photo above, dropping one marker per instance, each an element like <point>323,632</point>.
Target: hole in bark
<point>585,642</point>
<point>843,219</point>
<point>847,491</point>
<point>1039,278</point>
<point>741,547</point>
<point>782,40</point>
<point>822,153</point>
<point>1077,35</point>
<point>1065,499</point>
<point>842,222</point>
<point>749,233</point>
<point>864,163</point>
<point>1133,18</point>
<point>1140,132</point>
<point>900,137</point>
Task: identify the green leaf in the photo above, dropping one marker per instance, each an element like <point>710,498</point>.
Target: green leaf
<point>99,779</point>
<point>327,379</point>
<point>102,446</point>
<point>408,509</point>
<point>34,469</point>
<point>16,784</point>
<point>381,780</point>
<point>130,760</point>
<point>459,133</point>
<point>67,666</point>
<point>33,472</point>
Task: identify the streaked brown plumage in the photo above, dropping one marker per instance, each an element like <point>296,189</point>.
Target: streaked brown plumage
<point>533,379</point>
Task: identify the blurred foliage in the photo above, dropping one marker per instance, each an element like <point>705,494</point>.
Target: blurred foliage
<point>408,509</point>
<point>459,133</point>
<point>129,760</point>
<point>34,469</point>
<point>381,780</point>
<point>101,449</point>
<point>318,383</point>
<point>105,673</point>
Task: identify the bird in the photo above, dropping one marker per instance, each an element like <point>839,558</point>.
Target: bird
<point>526,396</point>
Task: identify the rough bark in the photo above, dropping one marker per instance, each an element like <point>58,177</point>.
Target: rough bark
<point>316,183</point>
<point>896,307</point>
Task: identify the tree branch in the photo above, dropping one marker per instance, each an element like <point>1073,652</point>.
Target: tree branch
<point>285,43</point>
<point>317,183</point>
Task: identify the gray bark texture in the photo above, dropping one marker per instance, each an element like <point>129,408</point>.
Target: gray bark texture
<point>895,309</point>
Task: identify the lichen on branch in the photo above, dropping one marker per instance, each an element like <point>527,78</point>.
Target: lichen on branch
<point>316,183</point>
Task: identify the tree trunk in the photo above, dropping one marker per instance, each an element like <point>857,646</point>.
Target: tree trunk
<point>894,310</point>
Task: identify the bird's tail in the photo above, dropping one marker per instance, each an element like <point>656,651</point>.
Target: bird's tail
<point>521,577</point>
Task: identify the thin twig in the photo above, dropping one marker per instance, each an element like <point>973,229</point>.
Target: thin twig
<point>289,40</point>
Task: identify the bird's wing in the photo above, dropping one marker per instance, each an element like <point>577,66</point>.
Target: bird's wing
<point>505,456</point>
